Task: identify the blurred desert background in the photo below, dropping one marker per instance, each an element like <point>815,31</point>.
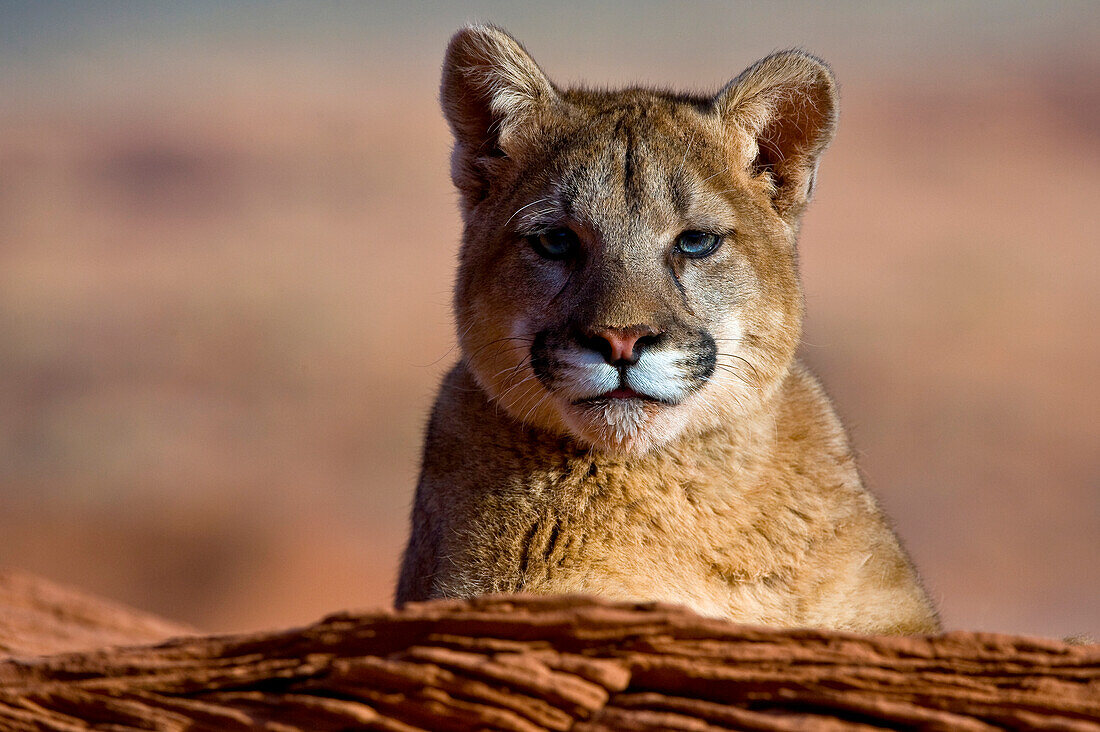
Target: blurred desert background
<point>227,237</point>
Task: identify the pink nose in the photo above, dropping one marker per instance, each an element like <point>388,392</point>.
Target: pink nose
<point>620,344</point>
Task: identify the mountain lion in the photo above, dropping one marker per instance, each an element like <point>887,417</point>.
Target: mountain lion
<point>627,418</point>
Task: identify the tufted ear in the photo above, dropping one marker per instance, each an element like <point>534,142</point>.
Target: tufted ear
<point>492,95</point>
<point>787,103</point>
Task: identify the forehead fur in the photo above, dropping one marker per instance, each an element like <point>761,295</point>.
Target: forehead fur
<point>771,122</point>
<point>629,169</point>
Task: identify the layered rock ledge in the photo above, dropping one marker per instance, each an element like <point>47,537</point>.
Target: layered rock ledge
<point>519,663</point>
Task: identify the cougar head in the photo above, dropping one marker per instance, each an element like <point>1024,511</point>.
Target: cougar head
<point>628,263</point>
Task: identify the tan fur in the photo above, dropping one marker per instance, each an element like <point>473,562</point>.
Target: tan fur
<point>728,485</point>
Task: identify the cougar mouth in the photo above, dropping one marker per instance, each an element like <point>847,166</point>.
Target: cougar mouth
<point>657,376</point>
<point>625,393</point>
<point>619,394</point>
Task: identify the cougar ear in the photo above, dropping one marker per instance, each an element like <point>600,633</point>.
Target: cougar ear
<point>492,93</point>
<point>787,103</point>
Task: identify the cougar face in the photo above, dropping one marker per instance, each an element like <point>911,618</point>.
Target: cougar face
<point>628,266</point>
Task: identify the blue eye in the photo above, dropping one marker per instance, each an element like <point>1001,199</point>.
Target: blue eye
<point>554,244</point>
<point>697,244</point>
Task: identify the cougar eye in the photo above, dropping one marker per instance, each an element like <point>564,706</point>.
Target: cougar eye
<point>697,244</point>
<point>554,244</point>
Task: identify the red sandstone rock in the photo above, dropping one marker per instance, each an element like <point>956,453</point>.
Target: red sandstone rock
<point>38,617</point>
<point>565,663</point>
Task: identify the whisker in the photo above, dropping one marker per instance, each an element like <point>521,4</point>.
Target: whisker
<point>512,403</point>
<point>452,347</point>
<point>500,340</point>
<point>508,369</point>
<point>720,172</point>
<point>521,208</point>
<point>686,151</point>
<point>537,404</point>
<point>745,361</point>
<point>514,386</point>
<point>509,349</point>
<point>740,377</point>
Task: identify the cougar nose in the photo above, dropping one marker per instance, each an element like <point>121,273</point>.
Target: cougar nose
<point>619,346</point>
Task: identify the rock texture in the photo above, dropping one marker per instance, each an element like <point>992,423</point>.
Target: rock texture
<point>39,617</point>
<point>568,663</point>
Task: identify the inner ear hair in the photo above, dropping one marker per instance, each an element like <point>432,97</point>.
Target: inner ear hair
<point>768,155</point>
<point>491,91</point>
<point>787,103</point>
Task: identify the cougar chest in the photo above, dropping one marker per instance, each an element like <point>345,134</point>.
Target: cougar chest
<point>630,532</point>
